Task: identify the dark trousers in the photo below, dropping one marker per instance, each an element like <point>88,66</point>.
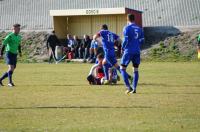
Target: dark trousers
<point>80,52</point>
<point>52,54</point>
<point>76,53</point>
<point>86,53</point>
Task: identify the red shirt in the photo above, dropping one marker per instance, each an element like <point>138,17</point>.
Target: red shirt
<point>100,72</point>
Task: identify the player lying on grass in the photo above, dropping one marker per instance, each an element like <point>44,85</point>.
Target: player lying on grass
<point>96,75</point>
<point>108,40</point>
<point>12,44</point>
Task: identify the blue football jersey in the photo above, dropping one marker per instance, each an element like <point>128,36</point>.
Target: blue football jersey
<point>108,39</point>
<point>133,38</point>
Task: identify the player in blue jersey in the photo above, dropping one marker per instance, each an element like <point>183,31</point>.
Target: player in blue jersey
<point>108,40</point>
<point>133,38</point>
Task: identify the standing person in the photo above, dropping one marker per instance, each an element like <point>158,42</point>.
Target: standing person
<point>198,46</point>
<point>133,38</point>
<point>108,40</point>
<point>52,42</point>
<point>198,39</point>
<point>12,44</point>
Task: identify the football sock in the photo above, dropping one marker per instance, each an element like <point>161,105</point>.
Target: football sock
<point>10,76</point>
<point>5,75</point>
<point>114,72</point>
<point>106,68</point>
<point>135,80</point>
<point>125,78</point>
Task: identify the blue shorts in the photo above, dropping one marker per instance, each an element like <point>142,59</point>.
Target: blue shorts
<point>127,57</point>
<point>11,59</point>
<point>94,45</point>
<point>111,59</point>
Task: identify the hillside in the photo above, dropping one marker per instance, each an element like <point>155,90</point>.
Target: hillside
<point>181,47</point>
<point>33,46</point>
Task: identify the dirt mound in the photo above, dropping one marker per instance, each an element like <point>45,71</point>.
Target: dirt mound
<point>178,47</point>
<point>33,46</point>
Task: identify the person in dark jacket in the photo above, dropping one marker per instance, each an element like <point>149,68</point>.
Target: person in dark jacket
<point>77,45</point>
<point>86,46</point>
<point>52,42</point>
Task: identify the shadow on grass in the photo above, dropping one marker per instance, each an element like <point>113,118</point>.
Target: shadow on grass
<point>77,107</point>
<point>167,93</point>
<point>119,84</point>
<point>58,85</point>
<point>167,85</point>
<point>69,85</point>
<point>160,84</point>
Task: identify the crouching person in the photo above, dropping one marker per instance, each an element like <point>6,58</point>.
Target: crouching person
<point>96,75</point>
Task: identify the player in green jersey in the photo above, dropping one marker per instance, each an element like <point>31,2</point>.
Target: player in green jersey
<point>198,46</point>
<point>198,39</point>
<point>12,45</point>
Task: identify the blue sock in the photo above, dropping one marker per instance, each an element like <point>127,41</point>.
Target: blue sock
<point>106,68</point>
<point>114,72</point>
<point>125,77</point>
<point>5,75</point>
<point>10,76</point>
<point>135,80</point>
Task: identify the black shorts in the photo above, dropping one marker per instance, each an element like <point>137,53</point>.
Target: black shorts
<point>11,59</point>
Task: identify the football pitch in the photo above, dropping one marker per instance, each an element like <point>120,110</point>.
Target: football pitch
<point>57,98</point>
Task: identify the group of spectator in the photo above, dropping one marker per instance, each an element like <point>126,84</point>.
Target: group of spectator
<point>79,48</point>
<point>76,48</point>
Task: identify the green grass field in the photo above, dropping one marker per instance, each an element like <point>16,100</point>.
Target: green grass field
<point>57,98</point>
